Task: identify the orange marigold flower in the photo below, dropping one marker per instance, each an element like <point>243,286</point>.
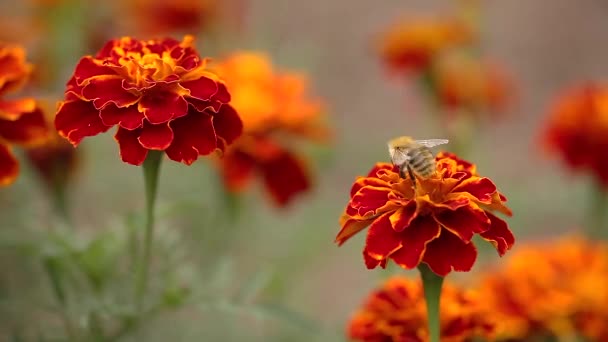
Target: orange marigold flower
<point>272,104</point>
<point>397,312</point>
<point>466,83</point>
<point>413,45</point>
<point>433,223</point>
<point>577,129</point>
<point>555,289</point>
<point>21,121</point>
<point>159,94</point>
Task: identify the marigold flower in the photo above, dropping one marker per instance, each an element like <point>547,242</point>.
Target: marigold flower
<point>159,94</point>
<point>555,289</point>
<point>433,223</point>
<point>21,121</point>
<point>577,129</point>
<point>159,17</point>
<point>397,312</point>
<point>413,45</point>
<point>272,104</point>
<point>473,85</point>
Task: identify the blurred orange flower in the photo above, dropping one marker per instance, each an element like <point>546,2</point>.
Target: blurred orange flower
<point>160,95</point>
<point>555,289</point>
<point>275,107</point>
<point>433,223</point>
<point>156,17</point>
<point>397,312</point>
<point>477,86</point>
<point>413,45</point>
<point>577,129</point>
<point>21,121</point>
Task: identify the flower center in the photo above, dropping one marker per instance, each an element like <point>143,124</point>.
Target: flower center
<point>149,67</point>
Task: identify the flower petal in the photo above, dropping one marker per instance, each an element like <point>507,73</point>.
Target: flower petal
<point>129,117</point>
<point>499,235</point>
<point>203,88</point>
<point>11,110</point>
<point>480,188</point>
<point>448,252</point>
<point>372,263</point>
<point>9,167</point>
<point>402,218</point>
<point>228,126</point>
<point>350,227</point>
<point>30,128</point>
<point>464,222</point>
<point>285,176</point>
<point>237,169</point>
<point>156,137</point>
<point>161,107</point>
<point>370,200</point>
<point>78,119</point>
<point>103,90</point>
<point>131,150</point>
<point>194,136</point>
<point>381,239</point>
<point>414,240</point>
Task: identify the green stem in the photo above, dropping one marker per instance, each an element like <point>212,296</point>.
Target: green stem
<point>432,283</point>
<point>51,268</point>
<point>151,169</point>
<point>596,218</point>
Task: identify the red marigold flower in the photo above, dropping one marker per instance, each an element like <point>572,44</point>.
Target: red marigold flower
<point>433,223</point>
<point>548,290</point>
<point>21,121</point>
<point>272,104</point>
<point>397,312</point>
<point>577,129</point>
<point>159,17</point>
<point>159,94</point>
<point>413,45</point>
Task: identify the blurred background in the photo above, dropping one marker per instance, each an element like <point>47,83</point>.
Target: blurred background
<point>251,270</point>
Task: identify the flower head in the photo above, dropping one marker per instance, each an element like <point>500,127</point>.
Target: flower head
<point>21,121</point>
<point>397,312</point>
<point>275,107</point>
<point>433,223</point>
<point>555,289</point>
<point>413,45</point>
<point>157,92</point>
<point>577,129</point>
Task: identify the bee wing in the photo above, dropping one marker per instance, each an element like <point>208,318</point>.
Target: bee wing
<point>432,142</point>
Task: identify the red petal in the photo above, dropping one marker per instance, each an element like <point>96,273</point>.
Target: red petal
<point>381,239</point>
<point>350,227</point>
<point>78,119</point>
<point>228,126</point>
<point>464,222</point>
<point>480,188</point>
<point>285,176</point>
<point>203,88</point>
<point>9,167</point>
<point>194,136</point>
<point>414,240</point>
<point>372,263</point>
<point>11,110</point>
<point>129,117</point>
<point>88,67</point>
<point>156,137</point>
<point>27,129</point>
<point>499,235</point>
<point>449,252</point>
<point>104,90</point>
<point>237,169</point>
<point>402,218</point>
<point>131,150</point>
<point>363,181</point>
<point>222,95</point>
<point>161,107</point>
<point>369,200</point>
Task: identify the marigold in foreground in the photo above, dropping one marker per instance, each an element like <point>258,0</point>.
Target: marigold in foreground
<point>160,95</point>
<point>275,108</point>
<point>21,121</point>
<point>555,289</point>
<point>397,312</point>
<point>433,223</point>
<point>577,129</point>
<point>413,46</point>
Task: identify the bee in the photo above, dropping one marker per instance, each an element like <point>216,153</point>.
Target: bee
<point>415,156</point>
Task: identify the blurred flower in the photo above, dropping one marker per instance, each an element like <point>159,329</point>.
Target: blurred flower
<point>156,17</point>
<point>412,46</point>
<point>275,107</point>
<point>159,94</point>
<point>555,289</point>
<point>433,223</point>
<point>577,129</point>
<point>21,121</point>
<point>466,83</point>
<point>397,312</point>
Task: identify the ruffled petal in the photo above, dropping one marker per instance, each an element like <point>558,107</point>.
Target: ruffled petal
<point>479,188</point>
<point>499,235</point>
<point>382,240</point>
<point>203,88</point>
<point>78,119</point>
<point>228,126</point>
<point>285,177</point>
<point>161,107</point>
<point>402,218</point>
<point>414,239</point>
<point>11,110</point>
<point>464,222</point>
<point>9,167</point>
<point>194,136</point>
<point>448,252</point>
<point>156,137</point>
<point>29,129</point>
<point>237,170</point>
<point>129,118</point>
<point>131,150</point>
<point>103,90</point>
<point>350,227</point>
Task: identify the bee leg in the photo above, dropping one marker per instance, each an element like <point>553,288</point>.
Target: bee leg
<point>412,177</point>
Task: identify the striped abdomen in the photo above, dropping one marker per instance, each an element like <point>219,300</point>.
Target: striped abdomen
<point>422,161</point>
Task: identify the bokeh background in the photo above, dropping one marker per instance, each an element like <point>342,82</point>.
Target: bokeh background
<point>546,46</point>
